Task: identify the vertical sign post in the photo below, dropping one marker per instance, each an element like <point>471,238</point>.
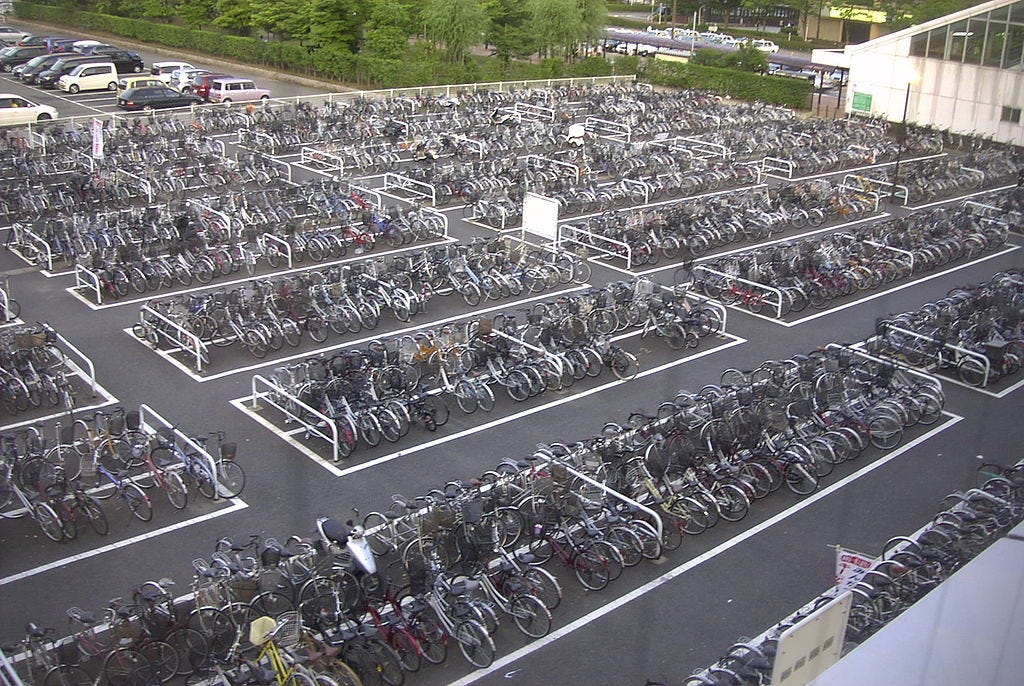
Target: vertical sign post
<point>97,139</point>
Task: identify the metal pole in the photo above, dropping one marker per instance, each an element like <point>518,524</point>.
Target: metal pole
<point>899,150</point>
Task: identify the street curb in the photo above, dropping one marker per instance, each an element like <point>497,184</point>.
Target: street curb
<point>327,86</point>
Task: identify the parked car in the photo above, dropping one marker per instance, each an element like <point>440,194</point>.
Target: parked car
<point>155,97</point>
<point>765,45</point>
<point>15,109</point>
<point>11,34</point>
<point>13,56</point>
<point>91,76</point>
<point>27,72</point>
<point>48,77</point>
<point>80,45</point>
<point>201,84</point>
<point>125,61</point>
<point>236,90</point>
<point>128,82</point>
<point>60,44</point>
<point>92,47</point>
<point>182,78</point>
<point>33,40</point>
<point>163,70</point>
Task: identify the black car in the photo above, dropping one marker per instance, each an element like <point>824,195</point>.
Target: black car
<point>12,57</point>
<point>155,97</point>
<point>37,65</point>
<point>125,61</point>
<point>49,77</point>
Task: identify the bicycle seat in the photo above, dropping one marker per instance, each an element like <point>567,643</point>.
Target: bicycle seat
<point>526,558</point>
<point>333,530</point>
<point>34,630</point>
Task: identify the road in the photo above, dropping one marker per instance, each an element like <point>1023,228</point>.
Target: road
<point>660,619</point>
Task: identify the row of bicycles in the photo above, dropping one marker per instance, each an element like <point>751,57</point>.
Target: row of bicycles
<point>33,370</point>
<point>908,568</point>
<point>817,270</point>
<point>691,229</point>
<point>107,457</point>
<point>380,393</point>
<point>975,332</point>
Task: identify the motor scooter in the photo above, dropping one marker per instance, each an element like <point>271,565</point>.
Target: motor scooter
<point>351,549</point>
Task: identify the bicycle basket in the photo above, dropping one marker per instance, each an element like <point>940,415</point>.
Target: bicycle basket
<point>208,595</point>
<point>485,326</point>
<point>132,420</point>
<point>289,629</point>
<point>472,511</point>
<point>165,436</point>
<point>245,589</point>
<point>69,654</point>
<point>437,520</point>
<point>228,450</point>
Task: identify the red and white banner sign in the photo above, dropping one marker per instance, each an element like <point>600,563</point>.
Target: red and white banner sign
<point>97,139</point>
<point>851,567</point>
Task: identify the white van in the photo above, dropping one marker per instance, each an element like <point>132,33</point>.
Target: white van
<point>90,76</point>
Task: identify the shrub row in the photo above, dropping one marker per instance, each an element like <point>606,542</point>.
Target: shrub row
<point>775,90</point>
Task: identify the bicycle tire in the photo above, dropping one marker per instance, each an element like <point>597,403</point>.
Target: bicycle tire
<point>163,660</point>
<point>126,667</point>
<point>137,501</point>
<point>192,647</point>
<point>529,615</point>
<point>408,649</point>
<point>174,488</point>
<point>591,571</point>
<point>67,675</point>
<point>230,478</point>
<point>95,515</point>
<point>544,585</point>
<point>474,643</point>
<point>801,478</point>
<point>49,521</point>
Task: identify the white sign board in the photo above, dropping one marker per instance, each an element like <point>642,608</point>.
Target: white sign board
<point>540,215</point>
<point>851,567</point>
<point>97,139</point>
<point>813,644</point>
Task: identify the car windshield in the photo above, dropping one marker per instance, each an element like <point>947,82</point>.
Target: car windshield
<point>8,51</point>
<point>36,61</point>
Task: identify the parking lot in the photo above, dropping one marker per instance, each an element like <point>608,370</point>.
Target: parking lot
<point>663,618</point>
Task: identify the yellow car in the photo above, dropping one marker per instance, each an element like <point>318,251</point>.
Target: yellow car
<point>137,82</point>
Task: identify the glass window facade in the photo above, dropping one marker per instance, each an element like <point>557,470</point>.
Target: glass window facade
<point>991,39</point>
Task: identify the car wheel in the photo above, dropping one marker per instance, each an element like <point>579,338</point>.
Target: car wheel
<point>186,90</point>
<point>226,101</point>
<point>264,97</point>
<point>147,108</point>
<point>73,88</point>
<point>8,67</point>
<point>44,117</point>
<point>112,86</point>
<point>137,69</point>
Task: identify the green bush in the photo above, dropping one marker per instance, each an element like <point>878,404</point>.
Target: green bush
<point>775,90</point>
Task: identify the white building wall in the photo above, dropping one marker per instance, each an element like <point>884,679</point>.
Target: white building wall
<point>948,95</point>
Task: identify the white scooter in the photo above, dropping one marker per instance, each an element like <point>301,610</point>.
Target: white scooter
<point>350,538</point>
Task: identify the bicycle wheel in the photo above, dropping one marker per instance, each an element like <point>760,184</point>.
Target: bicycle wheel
<point>205,481</point>
<point>137,501</point>
<point>49,521</point>
<point>175,489</point>
<point>694,515</point>
<point>801,478</point>
<point>407,648</point>
<point>591,570</point>
<point>192,647</point>
<point>671,533</point>
<point>317,328</point>
<point>530,616</point>
<point>127,667</point>
<point>544,585</point>
<point>67,675</point>
<point>432,639</point>
<point>624,365</point>
<point>368,429</point>
<point>231,478</point>
<point>270,604</point>
<point>628,543</point>
<point>387,662</point>
<point>885,432</point>
<point>95,514</point>
<point>971,371</point>
<point>163,660</point>
<point>216,627</point>
<point>474,643</point>
<point>733,505</point>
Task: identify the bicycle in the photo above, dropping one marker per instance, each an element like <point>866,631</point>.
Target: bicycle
<point>110,483</point>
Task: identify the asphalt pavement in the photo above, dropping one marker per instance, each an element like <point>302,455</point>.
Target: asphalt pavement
<point>661,619</point>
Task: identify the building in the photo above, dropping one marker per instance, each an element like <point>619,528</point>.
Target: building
<point>963,72</point>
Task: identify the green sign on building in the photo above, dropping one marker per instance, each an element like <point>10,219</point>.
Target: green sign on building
<point>862,102</point>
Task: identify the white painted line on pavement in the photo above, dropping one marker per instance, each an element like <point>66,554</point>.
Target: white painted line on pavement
<point>236,505</point>
<point>245,405</point>
<point>587,619</point>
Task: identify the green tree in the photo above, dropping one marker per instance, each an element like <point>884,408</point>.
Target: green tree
<point>594,17</point>
<point>234,15</point>
<point>508,30</point>
<point>903,13</point>
<point>335,23</point>
<point>556,24</point>
<point>197,13</point>
<point>278,16</point>
<point>458,24</point>
<point>386,34</point>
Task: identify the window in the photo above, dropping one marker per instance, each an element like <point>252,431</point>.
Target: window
<point>1010,114</point>
<point>919,45</point>
<point>5,103</point>
<point>937,43</point>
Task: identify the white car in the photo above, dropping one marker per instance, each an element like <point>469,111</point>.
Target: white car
<point>765,45</point>
<point>165,70</point>
<point>15,109</point>
<point>12,35</point>
<point>181,79</point>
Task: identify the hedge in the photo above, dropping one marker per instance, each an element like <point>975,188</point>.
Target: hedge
<point>421,67</point>
<point>775,90</point>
